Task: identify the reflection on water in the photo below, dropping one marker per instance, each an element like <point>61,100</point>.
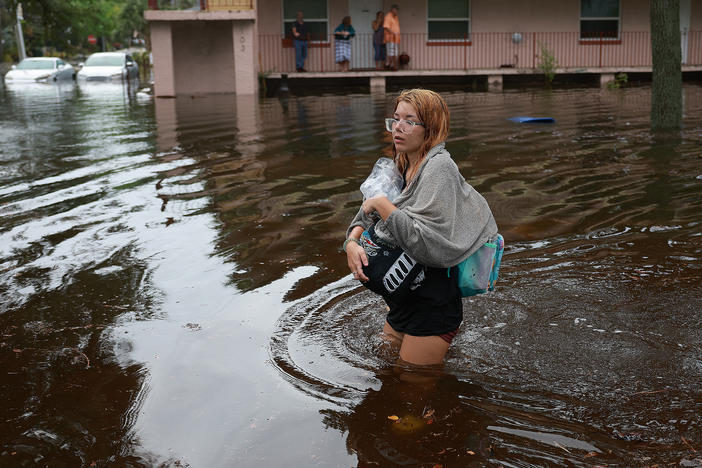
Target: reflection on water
<point>171,287</point>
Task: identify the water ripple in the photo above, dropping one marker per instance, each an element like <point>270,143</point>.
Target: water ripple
<point>589,344</point>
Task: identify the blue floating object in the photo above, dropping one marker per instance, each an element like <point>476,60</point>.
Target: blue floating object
<point>532,119</point>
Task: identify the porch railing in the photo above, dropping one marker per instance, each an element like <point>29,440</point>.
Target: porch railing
<point>213,5</point>
<point>482,51</point>
<point>201,5</point>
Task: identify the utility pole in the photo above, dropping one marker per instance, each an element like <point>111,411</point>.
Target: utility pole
<point>20,37</point>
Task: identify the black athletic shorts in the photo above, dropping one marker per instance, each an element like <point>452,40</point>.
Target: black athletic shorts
<point>432,308</point>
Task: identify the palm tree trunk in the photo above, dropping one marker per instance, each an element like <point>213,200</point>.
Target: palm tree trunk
<point>666,93</point>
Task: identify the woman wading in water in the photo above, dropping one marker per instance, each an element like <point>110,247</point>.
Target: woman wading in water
<point>437,221</point>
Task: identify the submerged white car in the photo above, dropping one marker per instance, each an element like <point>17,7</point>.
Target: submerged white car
<point>107,66</point>
<point>40,69</point>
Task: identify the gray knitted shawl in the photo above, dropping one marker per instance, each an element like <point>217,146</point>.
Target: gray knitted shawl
<point>441,220</point>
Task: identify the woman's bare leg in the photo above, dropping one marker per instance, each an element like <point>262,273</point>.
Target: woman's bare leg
<point>423,350</point>
<point>392,336</point>
<point>419,350</point>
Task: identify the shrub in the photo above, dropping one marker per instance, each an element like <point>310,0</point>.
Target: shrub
<point>547,63</point>
<point>620,80</point>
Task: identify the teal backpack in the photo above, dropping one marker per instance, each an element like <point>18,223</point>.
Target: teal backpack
<point>478,273</point>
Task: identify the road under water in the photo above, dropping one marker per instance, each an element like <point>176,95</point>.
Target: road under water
<point>172,290</point>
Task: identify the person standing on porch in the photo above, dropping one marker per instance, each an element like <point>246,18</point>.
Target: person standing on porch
<point>342,43</point>
<point>300,41</point>
<point>379,40</point>
<point>392,35</point>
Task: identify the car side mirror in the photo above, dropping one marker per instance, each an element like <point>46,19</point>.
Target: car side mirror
<point>13,67</point>
<point>81,64</point>
<point>130,64</point>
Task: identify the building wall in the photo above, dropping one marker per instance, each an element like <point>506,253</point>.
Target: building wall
<point>162,50</point>
<point>487,15</point>
<point>205,57</point>
<point>413,15</point>
<point>635,16</point>
<point>510,16</point>
<point>552,23</point>
<point>696,15</point>
<point>337,11</point>
<point>270,17</point>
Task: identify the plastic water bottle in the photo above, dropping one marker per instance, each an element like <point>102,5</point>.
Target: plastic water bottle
<point>384,179</point>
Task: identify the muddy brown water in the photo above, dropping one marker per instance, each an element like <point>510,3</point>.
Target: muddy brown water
<point>172,291</point>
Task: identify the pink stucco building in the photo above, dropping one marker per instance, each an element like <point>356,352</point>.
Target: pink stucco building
<point>222,45</point>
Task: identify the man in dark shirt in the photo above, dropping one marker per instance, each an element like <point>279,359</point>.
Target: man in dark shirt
<point>300,38</point>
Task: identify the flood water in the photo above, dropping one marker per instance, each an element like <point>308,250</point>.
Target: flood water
<point>172,291</point>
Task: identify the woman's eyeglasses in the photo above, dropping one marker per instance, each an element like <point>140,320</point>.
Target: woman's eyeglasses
<point>404,126</point>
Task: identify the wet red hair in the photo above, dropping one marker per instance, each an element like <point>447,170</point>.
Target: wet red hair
<point>433,112</point>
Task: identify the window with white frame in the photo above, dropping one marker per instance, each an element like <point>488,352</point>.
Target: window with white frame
<point>599,19</point>
<point>314,14</point>
<point>448,20</point>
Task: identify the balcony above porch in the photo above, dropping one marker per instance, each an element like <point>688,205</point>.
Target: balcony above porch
<point>188,15</point>
<point>200,10</point>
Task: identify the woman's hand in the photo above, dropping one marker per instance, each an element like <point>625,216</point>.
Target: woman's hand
<point>379,203</point>
<point>356,258</point>
<point>369,204</point>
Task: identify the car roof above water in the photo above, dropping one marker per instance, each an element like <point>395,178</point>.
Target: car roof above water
<point>108,53</point>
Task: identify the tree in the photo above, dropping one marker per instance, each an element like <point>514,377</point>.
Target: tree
<point>666,93</point>
<point>64,25</point>
<point>131,19</point>
<point>2,20</point>
<point>8,36</point>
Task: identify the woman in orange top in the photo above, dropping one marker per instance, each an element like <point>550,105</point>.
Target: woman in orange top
<point>392,35</point>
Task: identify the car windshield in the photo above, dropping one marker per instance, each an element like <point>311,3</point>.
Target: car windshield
<point>27,64</point>
<point>104,61</point>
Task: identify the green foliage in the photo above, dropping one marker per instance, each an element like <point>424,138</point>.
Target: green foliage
<point>620,80</point>
<point>63,26</point>
<point>142,59</point>
<point>547,63</point>
<point>131,19</point>
<point>8,42</point>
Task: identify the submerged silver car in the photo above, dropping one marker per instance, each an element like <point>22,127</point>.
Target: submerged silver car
<point>40,69</point>
<point>107,66</point>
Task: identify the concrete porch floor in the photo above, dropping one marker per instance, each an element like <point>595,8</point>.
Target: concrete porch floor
<point>377,79</point>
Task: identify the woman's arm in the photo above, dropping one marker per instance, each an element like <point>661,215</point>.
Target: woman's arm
<point>340,33</point>
<point>444,219</point>
<point>361,220</point>
<point>355,255</point>
<point>381,204</point>
<point>356,232</point>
